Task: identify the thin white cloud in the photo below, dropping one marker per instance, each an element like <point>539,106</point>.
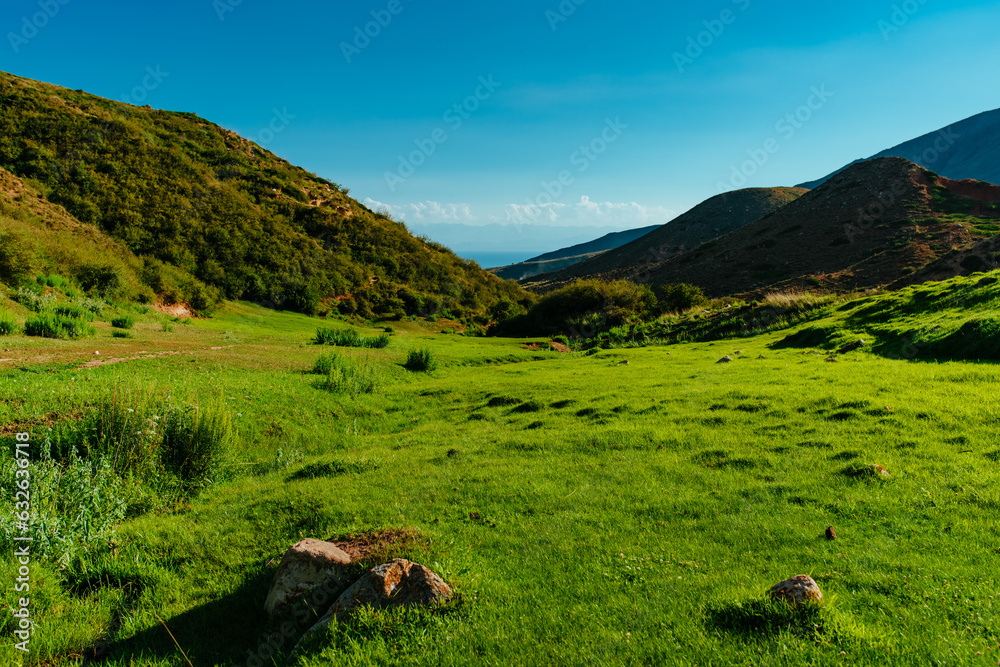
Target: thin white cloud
<point>587,213</point>
<point>427,212</point>
<point>584,213</point>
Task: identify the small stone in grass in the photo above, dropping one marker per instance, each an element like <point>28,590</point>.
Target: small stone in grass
<point>796,591</point>
<point>831,534</point>
<point>725,360</point>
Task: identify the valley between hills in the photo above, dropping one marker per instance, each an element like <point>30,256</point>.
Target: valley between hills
<point>209,355</point>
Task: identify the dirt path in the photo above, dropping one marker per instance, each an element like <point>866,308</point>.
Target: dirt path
<point>97,363</point>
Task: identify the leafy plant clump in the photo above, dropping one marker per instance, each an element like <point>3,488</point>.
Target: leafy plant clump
<point>347,376</point>
<point>37,301</point>
<point>421,361</point>
<point>124,322</point>
<point>195,440</point>
<point>51,325</point>
<point>8,325</point>
<point>349,338</point>
<point>77,505</point>
<point>74,311</point>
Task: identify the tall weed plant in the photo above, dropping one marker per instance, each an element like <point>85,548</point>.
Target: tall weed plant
<point>76,506</point>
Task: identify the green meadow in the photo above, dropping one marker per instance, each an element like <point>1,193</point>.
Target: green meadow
<point>620,505</point>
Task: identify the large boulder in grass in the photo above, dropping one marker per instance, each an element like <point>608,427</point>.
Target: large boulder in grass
<point>797,591</point>
<point>304,567</point>
<point>396,583</point>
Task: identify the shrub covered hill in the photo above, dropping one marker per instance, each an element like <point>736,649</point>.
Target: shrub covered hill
<point>714,217</point>
<point>211,215</point>
<point>871,225</point>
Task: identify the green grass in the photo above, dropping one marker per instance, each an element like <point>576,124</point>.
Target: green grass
<point>594,513</point>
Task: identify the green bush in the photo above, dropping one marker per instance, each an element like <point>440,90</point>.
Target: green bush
<point>51,280</point>
<point>347,376</point>
<point>8,325</point>
<point>124,322</point>
<point>601,305</point>
<point>15,259</point>
<point>195,441</point>
<point>349,338</point>
<point>324,364</point>
<point>95,306</point>
<point>76,506</point>
<point>50,325</point>
<point>142,435</point>
<point>34,299</point>
<point>679,297</point>
<point>123,429</point>
<point>421,361</point>
<point>121,334</point>
<point>74,311</point>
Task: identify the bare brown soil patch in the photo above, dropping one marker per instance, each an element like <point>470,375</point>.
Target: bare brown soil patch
<point>378,547</point>
<point>48,421</point>
<point>174,309</point>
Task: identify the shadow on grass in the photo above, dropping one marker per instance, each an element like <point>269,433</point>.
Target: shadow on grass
<point>233,630</point>
<point>765,619</point>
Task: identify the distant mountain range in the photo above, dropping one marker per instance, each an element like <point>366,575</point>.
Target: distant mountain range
<point>559,259</point>
<point>966,149</point>
<point>867,227</point>
<point>714,217</point>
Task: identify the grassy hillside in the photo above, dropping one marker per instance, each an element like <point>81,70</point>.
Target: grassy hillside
<point>624,507</point>
<point>39,237</point>
<point>953,319</point>
<point>717,216</point>
<point>871,225</point>
<point>179,191</point>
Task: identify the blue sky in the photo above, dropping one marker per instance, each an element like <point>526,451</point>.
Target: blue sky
<point>539,81</point>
